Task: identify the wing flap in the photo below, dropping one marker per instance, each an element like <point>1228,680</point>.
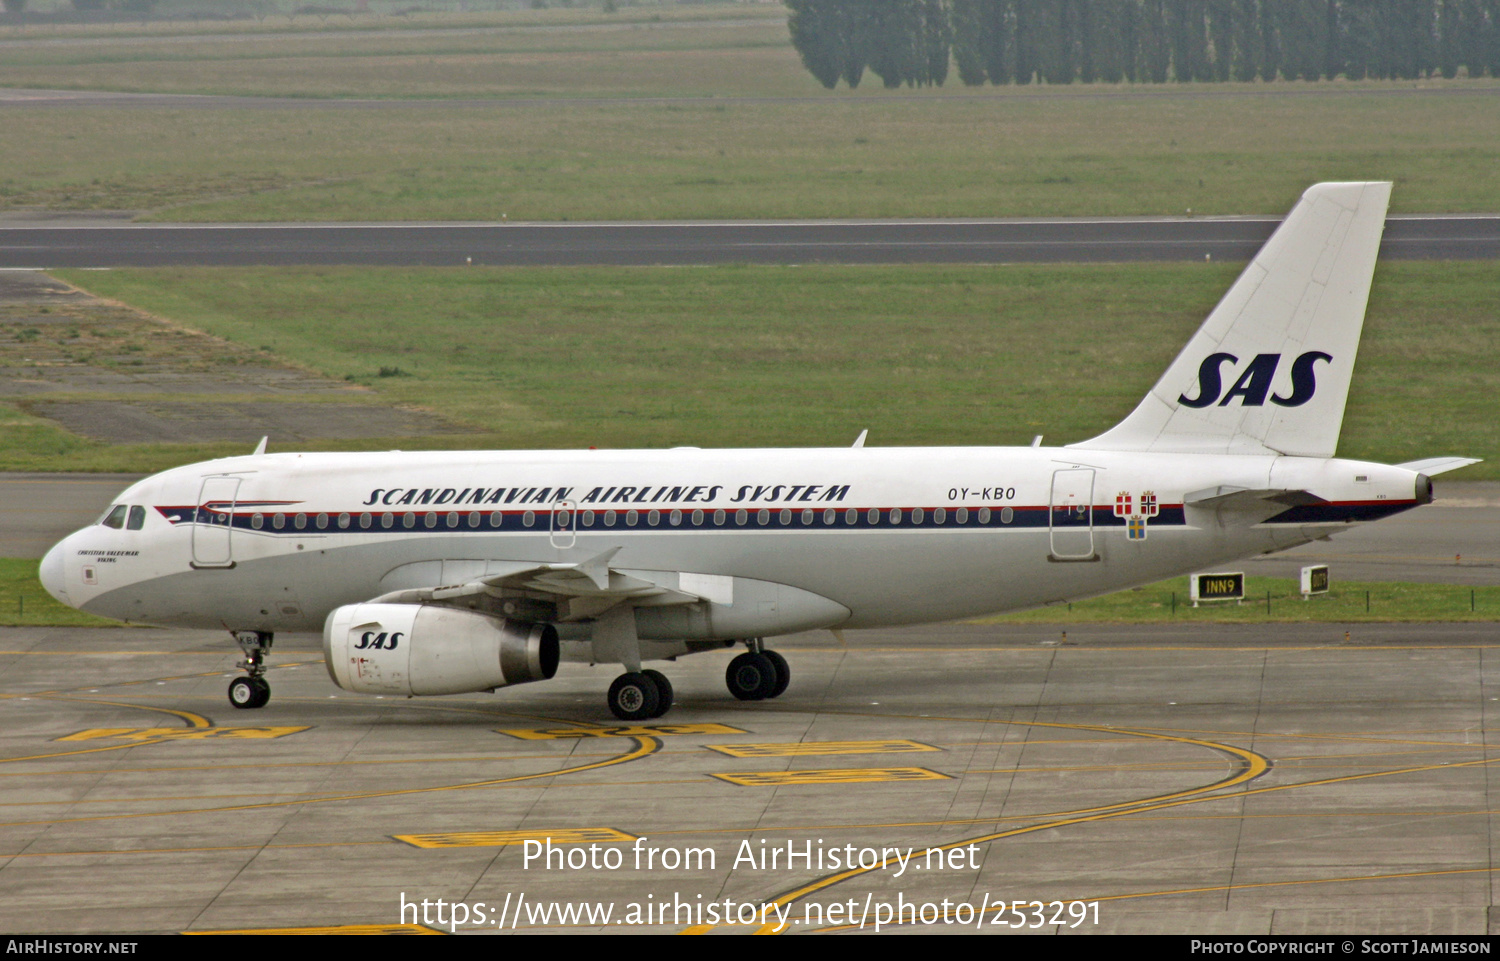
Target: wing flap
<point>1240,498</point>
<point>565,592</point>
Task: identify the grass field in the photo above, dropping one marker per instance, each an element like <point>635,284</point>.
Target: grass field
<point>23,603</point>
<point>704,112</point>
<point>798,356</point>
<point>701,113</point>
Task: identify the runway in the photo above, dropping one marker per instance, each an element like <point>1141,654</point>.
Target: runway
<point>91,242</point>
<point>1161,780</point>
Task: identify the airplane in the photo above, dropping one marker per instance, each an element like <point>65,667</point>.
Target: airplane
<point>433,573</point>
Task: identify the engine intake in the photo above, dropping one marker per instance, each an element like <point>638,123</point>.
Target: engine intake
<point>413,649</point>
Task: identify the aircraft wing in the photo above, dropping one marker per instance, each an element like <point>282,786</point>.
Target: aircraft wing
<point>1239,506</point>
<point>1240,498</point>
<point>562,592</point>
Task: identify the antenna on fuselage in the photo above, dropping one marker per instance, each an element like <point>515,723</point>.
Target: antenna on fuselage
<point>860,440</point>
<point>261,447</point>
<point>1036,441</point>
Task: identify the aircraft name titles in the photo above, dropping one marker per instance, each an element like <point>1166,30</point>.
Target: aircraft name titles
<point>649,494</point>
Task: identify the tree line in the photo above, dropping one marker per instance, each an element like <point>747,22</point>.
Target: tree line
<point>913,42</point>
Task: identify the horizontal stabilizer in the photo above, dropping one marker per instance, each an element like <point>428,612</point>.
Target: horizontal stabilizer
<point>1439,465</point>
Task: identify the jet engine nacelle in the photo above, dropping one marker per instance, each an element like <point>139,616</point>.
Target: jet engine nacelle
<point>422,649</point>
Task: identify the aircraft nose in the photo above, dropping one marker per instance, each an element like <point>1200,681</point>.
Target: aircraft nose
<point>52,575</point>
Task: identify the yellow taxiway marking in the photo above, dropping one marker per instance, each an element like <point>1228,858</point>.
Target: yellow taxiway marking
<point>1251,766</point>
<point>645,747</point>
<point>1139,807</point>
<point>820,748</point>
<point>1220,888</point>
<point>194,722</point>
<point>114,654</point>
<point>265,765</point>
<point>188,717</point>
<point>1370,737</point>
<point>332,929</point>
<point>841,775</point>
<point>1300,881</point>
<point>628,730</point>
<point>112,853</point>
<point>498,839</point>
<point>862,826</point>
<point>181,734</point>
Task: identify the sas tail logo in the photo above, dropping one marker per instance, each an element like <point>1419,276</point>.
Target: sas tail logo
<point>1254,382</point>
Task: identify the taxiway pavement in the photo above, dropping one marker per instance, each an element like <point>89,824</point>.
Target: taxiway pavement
<point>1179,779</point>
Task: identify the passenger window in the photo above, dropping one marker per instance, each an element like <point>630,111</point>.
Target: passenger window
<point>137,518</point>
<point>116,517</point>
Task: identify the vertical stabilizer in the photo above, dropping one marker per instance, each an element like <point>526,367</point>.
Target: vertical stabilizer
<point>1269,370</point>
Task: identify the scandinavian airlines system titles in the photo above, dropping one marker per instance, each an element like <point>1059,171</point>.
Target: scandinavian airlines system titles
<point>624,494</point>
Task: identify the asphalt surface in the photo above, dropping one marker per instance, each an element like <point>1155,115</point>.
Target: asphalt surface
<point>94,242</point>
<point>1184,780</point>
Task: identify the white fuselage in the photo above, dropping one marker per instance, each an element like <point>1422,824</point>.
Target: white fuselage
<point>275,542</point>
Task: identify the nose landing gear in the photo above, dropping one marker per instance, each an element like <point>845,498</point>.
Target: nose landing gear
<point>252,691</point>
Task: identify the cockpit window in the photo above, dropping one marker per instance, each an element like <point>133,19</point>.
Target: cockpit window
<point>137,518</point>
<point>116,517</point>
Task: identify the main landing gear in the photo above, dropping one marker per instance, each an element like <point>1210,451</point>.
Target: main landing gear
<point>252,691</point>
<point>757,674</point>
<point>639,695</point>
